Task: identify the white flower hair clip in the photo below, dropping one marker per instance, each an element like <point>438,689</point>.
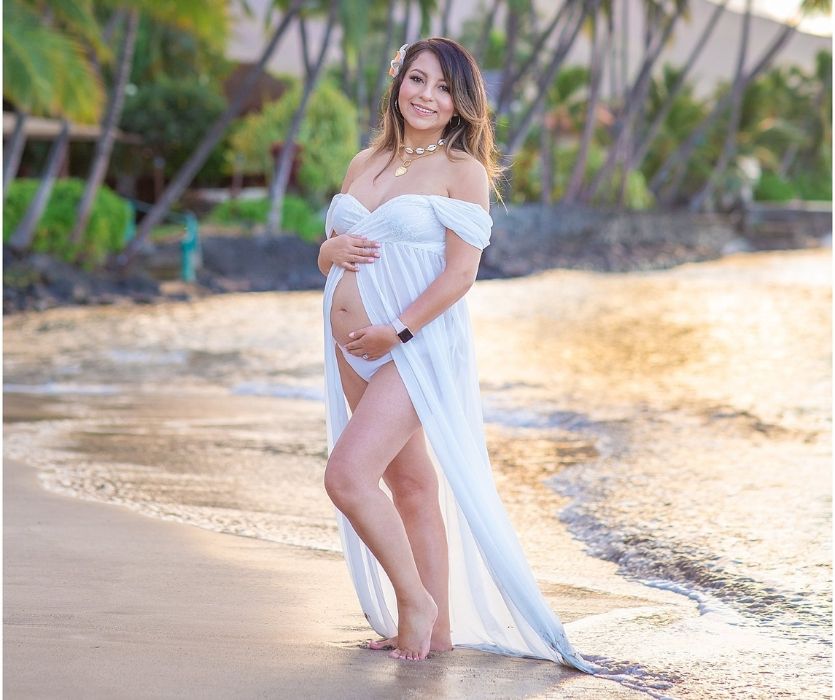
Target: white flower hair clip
<point>397,61</point>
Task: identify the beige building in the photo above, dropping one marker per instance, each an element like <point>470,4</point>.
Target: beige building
<point>717,61</point>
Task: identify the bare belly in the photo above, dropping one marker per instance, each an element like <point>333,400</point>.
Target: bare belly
<point>347,312</point>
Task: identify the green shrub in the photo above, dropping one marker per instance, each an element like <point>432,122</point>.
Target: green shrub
<point>328,138</point>
<point>297,215</point>
<point>815,186</point>
<point>773,188</point>
<point>172,117</point>
<point>105,233</point>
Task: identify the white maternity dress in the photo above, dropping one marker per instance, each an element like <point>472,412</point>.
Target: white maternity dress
<point>495,603</point>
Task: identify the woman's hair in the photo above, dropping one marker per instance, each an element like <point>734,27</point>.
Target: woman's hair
<point>473,132</point>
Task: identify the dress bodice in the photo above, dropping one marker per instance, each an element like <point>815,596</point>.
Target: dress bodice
<point>419,220</point>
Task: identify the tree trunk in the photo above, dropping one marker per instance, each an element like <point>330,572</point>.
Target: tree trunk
<point>484,38</point>
<point>14,151</point>
<point>284,163</point>
<point>445,17</point>
<point>678,159</point>
<point>515,77</point>
<point>729,144</point>
<point>511,36</point>
<point>104,144</point>
<point>567,38</point>
<point>191,167</point>
<point>21,239</point>
<point>598,50</point>
<point>636,159</point>
<point>379,81</point>
<point>633,99</point>
<point>546,160</point>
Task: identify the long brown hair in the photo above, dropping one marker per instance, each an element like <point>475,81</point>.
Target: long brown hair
<point>473,130</point>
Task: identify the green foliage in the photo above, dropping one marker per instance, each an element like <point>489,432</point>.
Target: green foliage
<point>45,69</point>
<point>773,188</point>
<point>172,116</point>
<point>105,232</point>
<point>165,50</point>
<point>328,138</point>
<point>297,216</point>
<point>815,186</point>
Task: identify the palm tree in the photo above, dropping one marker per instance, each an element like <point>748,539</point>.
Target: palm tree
<point>599,44</point>
<point>666,182</point>
<point>191,167</point>
<point>737,91</point>
<point>639,153</point>
<point>46,71</point>
<point>201,17</point>
<point>636,94</point>
<point>281,175</point>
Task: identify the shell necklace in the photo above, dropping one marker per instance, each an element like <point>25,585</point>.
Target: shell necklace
<point>414,154</point>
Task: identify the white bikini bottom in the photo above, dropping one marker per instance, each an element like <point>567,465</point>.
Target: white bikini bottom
<point>365,368</point>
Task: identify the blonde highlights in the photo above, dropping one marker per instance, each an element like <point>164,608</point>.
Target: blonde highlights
<point>470,132</point>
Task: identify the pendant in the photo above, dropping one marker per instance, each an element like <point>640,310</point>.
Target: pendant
<point>400,171</point>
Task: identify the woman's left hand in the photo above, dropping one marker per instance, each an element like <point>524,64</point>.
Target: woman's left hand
<point>374,341</point>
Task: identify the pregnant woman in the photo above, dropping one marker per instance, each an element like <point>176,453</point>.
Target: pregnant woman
<point>435,561</point>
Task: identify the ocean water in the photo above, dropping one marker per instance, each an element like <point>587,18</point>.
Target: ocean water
<point>667,433</point>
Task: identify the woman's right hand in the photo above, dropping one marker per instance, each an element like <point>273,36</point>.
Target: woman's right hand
<point>348,250</point>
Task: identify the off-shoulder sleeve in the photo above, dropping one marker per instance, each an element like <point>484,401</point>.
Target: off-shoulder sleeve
<point>466,219</point>
<point>330,215</point>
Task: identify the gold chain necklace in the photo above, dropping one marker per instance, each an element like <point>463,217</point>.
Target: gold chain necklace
<point>414,154</point>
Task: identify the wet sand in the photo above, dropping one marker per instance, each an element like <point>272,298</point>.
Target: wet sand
<point>101,602</point>
<point>659,426</point>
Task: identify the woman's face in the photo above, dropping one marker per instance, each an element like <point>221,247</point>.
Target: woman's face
<point>424,99</point>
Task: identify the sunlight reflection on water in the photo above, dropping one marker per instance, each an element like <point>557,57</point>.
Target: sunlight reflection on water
<point>677,422</point>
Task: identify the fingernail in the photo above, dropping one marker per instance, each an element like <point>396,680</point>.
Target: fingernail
<point>350,335</point>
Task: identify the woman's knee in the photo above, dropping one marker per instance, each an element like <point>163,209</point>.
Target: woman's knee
<point>342,483</point>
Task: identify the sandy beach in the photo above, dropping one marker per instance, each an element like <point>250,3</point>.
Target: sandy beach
<point>167,533</point>
<point>101,602</point>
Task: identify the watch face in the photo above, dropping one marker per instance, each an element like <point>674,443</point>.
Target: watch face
<point>405,335</point>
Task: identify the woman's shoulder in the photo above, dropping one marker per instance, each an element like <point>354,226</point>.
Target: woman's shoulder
<point>467,179</point>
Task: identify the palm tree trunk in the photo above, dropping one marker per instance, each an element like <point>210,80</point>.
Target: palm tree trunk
<point>633,100</point>
<point>191,167</point>
<point>104,144</point>
<point>515,77</point>
<point>379,81</point>
<point>445,17</point>
<point>484,37</point>
<point>567,38</point>
<point>678,159</point>
<point>637,157</point>
<point>14,152</point>
<point>598,51</point>
<point>729,145</point>
<point>511,36</point>
<point>281,175</point>
<point>546,160</point>
<point>21,239</point>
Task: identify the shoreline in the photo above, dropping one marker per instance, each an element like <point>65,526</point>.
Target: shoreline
<point>241,264</point>
<point>104,602</point>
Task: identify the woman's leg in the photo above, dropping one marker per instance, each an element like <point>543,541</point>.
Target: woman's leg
<point>380,426</point>
<point>413,482</point>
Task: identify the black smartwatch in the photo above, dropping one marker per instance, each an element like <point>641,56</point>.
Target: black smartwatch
<point>403,333</point>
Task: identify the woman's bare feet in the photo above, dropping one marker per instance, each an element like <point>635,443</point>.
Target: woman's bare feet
<point>414,630</point>
<point>440,641</point>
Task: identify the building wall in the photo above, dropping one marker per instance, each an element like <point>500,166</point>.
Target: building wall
<point>717,61</point>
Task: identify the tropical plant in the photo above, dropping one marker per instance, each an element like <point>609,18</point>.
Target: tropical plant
<point>328,138</point>
<point>105,231</point>
<point>212,136</point>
